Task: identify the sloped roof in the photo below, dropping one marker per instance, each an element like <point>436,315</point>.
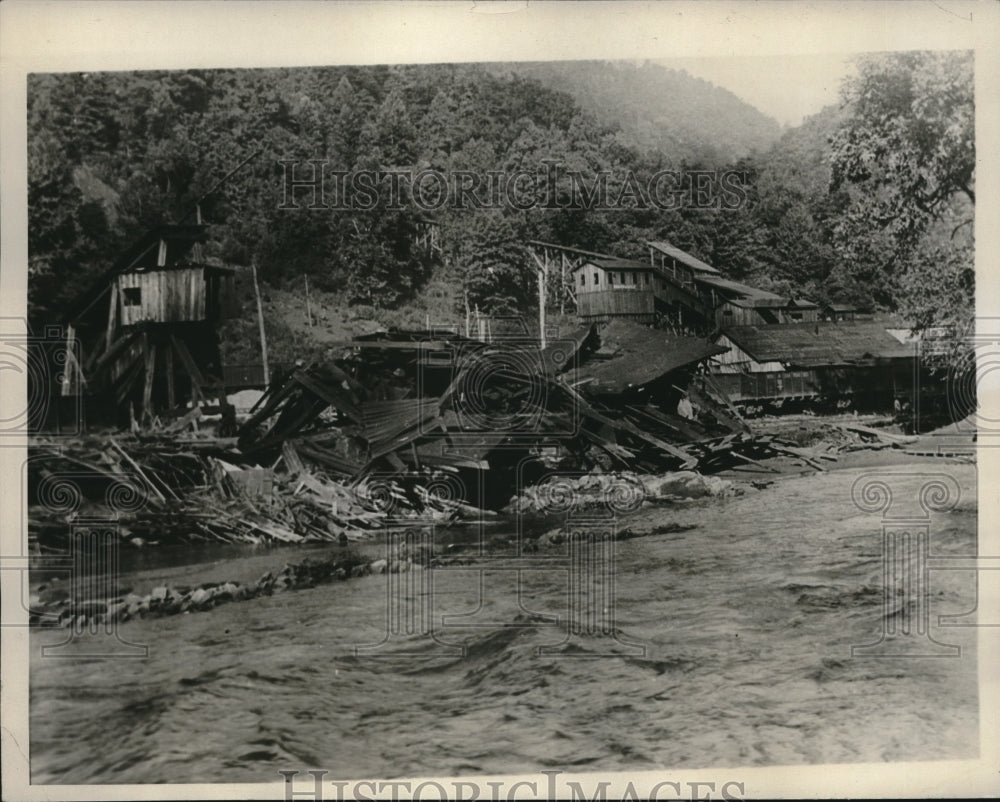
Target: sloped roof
<point>750,296</point>
<point>640,355</point>
<point>180,239</point>
<point>684,258</point>
<point>141,254</point>
<point>813,344</point>
<point>615,263</point>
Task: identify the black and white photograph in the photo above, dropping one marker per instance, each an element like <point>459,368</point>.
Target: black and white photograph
<point>558,403</point>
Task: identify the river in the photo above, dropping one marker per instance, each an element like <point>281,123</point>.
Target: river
<point>734,648</point>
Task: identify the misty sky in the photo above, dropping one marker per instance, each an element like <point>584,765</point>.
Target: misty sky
<point>787,88</point>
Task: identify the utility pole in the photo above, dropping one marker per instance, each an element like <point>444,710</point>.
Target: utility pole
<point>541,308</point>
<point>260,321</point>
<point>543,279</point>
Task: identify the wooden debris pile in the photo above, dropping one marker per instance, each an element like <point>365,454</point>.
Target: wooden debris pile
<point>401,403</point>
<point>158,491</point>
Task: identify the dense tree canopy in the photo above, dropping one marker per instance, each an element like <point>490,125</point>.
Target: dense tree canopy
<point>869,202</point>
<point>906,155</point>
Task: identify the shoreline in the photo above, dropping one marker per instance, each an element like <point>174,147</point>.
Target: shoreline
<point>251,571</point>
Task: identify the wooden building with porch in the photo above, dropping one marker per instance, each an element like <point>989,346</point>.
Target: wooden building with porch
<point>858,363</point>
<point>146,330</point>
<point>613,288</point>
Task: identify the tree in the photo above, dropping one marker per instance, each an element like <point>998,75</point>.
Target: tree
<point>906,155</point>
<point>495,266</point>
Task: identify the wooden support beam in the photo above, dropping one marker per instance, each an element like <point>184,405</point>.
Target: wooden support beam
<point>109,334</point>
<point>190,367</point>
<point>147,390</point>
<point>168,360</point>
<point>97,365</point>
<point>130,379</point>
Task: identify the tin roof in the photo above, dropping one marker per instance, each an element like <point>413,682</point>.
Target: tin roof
<point>614,263</point>
<point>681,256</point>
<point>814,344</point>
<point>641,355</point>
<point>742,294</point>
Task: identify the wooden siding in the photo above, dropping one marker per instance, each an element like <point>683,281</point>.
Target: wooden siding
<point>762,386</point>
<point>732,315</point>
<point>623,301</point>
<point>805,315</point>
<point>874,382</point>
<point>166,296</point>
<point>729,314</point>
<point>736,360</point>
<point>597,279</point>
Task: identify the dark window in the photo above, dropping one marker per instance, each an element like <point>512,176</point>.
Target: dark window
<point>633,277</point>
<point>796,316</point>
<point>611,279</point>
<point>583,279</point>
<point>596,279</point>
<point>727,312</point>
<point>131,296</point>
<point>647,278</point>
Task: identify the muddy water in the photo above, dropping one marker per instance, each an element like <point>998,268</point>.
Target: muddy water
<point>744,626</point>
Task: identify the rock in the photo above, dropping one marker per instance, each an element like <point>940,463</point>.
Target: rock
<point>159,594</point>
<point>225,592</point>
<point>200,597</point>
<point>117,612</point>
<point>684,484</point>
<point>90,608</point>
<point>48,595</point>
<point>379,567</point>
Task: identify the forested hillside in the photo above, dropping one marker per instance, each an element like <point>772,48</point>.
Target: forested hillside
<point>660,109</point>
<point>869,202</point>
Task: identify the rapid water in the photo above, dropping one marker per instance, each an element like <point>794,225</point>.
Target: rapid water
<point>735,650</point>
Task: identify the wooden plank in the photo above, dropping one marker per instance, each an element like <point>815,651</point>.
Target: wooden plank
<point>586,409</point>
<point>130,378</point>
<point>888,437</point>
<point>121,359</point>
<point>292,460</point>
<point>760,465</point>
<point>332,395</point>
<point>800,454</point>
<point>109,334</point>
<point>147,390</point>
<point>135,466</point>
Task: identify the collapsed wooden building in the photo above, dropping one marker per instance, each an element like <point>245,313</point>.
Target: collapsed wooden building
<point>418,404</point>
<point>146,331</point>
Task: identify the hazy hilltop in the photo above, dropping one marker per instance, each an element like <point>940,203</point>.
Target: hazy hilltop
<point>656,108</point>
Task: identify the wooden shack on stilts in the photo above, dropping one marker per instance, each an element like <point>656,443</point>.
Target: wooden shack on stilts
<point>147,330</point>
